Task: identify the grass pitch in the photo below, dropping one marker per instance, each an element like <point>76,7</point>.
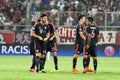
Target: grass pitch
<point>17,68</point>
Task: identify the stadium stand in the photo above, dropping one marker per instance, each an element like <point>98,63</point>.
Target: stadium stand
<point>60,12</point>
<point>12,12</point>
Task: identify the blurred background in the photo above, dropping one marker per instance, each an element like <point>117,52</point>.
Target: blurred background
<point>18,16</point>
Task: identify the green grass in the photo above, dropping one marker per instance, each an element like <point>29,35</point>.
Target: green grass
<point>16,68</point>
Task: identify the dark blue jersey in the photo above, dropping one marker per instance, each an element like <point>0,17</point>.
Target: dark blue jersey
<point>31,39</point>
<point>79,28</point>
<point>94,31</point>
<point>52,30</point>
<point>41,30</point>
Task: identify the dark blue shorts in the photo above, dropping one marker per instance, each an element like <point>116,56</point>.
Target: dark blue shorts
<point>41,47</point>
<point>78,48</point>
<point>92,51</point>
<point>52,46</point>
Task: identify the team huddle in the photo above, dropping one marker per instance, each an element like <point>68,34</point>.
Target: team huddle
<point>43,36</point>
<point>86,39</point>
<point>43,40</point>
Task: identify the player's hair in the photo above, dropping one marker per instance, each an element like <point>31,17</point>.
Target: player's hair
<point>38,20</point>
<point>90,19</point>
<point>80,17</point>
<point>43,15</point>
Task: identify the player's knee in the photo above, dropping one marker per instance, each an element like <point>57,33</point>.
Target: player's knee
<point>54,54</point>
<point>94,58</point>
<point>43,55</point>
<point>85,56</point>
<point>75,56</point>
<point>54,49</point>
<point>38,54</point>
<point>37,60</point>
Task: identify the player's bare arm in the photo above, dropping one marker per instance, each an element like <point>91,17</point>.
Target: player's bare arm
<point>36,36</point>
<point>55,34</point>
<point>98,38</point>
<point>47,36</point>
<point>89,40</point>
<point>82,36</point>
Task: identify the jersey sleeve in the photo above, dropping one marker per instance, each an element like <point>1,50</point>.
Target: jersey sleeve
<point>88,30</point>
<point>54,28</point>
<point>34,28</point>
<point>80,28</point>
<point>48,30</point>
<point>97,31</point>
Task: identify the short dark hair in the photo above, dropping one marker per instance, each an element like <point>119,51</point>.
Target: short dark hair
<point>43,15</point>
<point>38,20</point>
<point>80,17</point>
<point>90,19</point>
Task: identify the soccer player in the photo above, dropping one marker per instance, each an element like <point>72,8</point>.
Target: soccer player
<point>51,44</point>
<point>79,42</point>
<point>90,48</point>
<point>32,49</point>
<point>41,34</point>
<point>32,52</point>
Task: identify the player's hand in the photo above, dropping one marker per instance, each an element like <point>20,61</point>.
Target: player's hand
<point>40,38</point>
<point>87,46</point>
<point>45,39</point>
<point>51,39</point>
<point>84,38</point>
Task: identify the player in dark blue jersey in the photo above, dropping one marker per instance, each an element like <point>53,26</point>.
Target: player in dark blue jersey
<point>92,39</point>
<point>32,52</point>
<point>41,34</point>
<point>79,42</point>
<point>32,49</point>
<point>52,44</point>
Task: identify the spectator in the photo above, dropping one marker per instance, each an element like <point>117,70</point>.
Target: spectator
<point>69,20</point>
<point>54,11</point>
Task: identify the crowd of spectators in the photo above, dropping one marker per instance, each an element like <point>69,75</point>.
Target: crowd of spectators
<point>68,10</point>
<point>61,12</point>
<point>76,5</point>
<point>12,14</point>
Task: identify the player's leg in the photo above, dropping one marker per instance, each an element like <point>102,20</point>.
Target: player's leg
<point>44,53</point>
<point>43,56</point>
<point>55,58</point>
<point>54,53</point>
<point>33,63</point>
<point>32,52</point>
<point>42,63</point>
<point>38,55</point>
<point>44,60</point>
<point>88,60</point>
<point>95,64</point>
<point>32,68</point>
<point>94,55</point>
<point>48,49</point>
<point>75,57</point>
<point>85,55</point>
<point>37,61</point>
